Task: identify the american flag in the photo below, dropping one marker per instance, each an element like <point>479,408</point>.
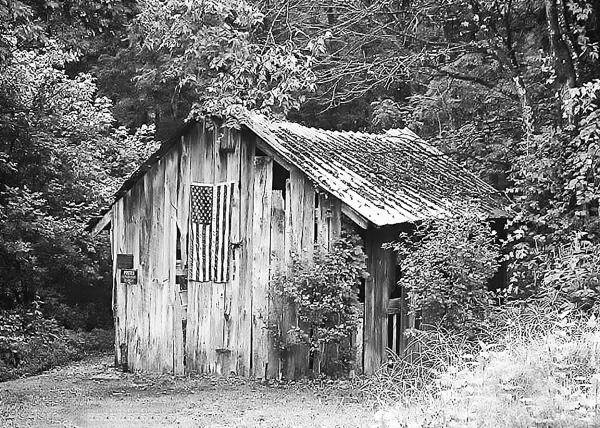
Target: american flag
<point>210,224</point>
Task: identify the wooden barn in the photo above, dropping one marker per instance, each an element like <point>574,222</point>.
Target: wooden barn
<point>199,230</point>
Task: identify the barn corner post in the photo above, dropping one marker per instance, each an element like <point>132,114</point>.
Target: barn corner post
<point>381,265</point>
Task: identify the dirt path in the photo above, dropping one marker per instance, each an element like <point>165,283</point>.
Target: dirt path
<point>91,393</point>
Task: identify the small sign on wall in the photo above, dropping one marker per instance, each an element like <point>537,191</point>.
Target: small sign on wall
<point>124,261</point>
<point>129,276</point>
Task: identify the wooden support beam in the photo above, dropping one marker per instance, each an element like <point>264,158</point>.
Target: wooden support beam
<point>351,213</point>
<point>265,148</point>
<point>104,221</point>
<point>381,265</point>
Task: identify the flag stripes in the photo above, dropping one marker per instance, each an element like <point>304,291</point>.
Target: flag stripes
<point>210,224</point>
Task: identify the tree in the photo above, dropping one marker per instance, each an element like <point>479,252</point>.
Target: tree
<point>61,160</point>
<point>213,49</point>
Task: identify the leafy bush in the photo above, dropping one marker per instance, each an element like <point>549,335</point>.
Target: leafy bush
<point>30,343</point>
<point>446,266</point>
<point>574,271</point>
<point>326,297</point>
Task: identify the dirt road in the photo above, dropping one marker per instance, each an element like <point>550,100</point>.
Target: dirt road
<point>91,393</point>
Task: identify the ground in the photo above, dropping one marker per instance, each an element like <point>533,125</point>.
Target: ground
<point>91,393</point>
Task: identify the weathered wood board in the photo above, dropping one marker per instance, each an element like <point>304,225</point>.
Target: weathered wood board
<point>227,324</point>
<point>381,264</point>
<point>261,235</point>
<point>277,269</point>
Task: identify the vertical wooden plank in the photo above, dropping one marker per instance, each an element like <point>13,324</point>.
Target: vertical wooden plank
<point>134,212</point>
<point>308,217</point>
<point>194,141</point>
<point>217,308</point>
<point>154,290</point>
<point>179,213</point>
<point>209,335</point>
<point>113,255</point>
<point>288,319</point>
<point>328,221</point>
<point>232,288</point>
<point>217,321</point>
<point>406,321</point>
<point>164,308</point>
<point>174,350</point>
<point>263,179</point>
<point>130,239</point>
<point>322,222</point>
<point>323,245</point>
<point>394,328</point>
<point>371,358</point>
<point>335,222</point>
<point>119,292</point>
<point>241,353</point>
<point>278,267</point>
<point>302,232</point>
<point>143,352</point>
<point>381,266</point>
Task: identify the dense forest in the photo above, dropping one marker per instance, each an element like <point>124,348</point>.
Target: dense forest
<point>88,89</point>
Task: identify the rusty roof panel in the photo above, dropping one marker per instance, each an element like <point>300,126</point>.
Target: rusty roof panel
<point>388,178</point>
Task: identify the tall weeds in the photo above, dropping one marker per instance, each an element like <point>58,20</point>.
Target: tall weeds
<point>533,364</point>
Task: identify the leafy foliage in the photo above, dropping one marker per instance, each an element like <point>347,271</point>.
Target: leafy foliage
<point>446,264</point>
<point>31,343</point>
<point>215,50</point>
<point>326,297</point>
<point>556,191</point>
<point>61,159</point>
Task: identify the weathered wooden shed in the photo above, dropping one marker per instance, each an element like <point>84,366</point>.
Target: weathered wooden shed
<point>201,227</point>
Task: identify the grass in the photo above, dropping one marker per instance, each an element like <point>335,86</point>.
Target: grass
<point>537,365</point>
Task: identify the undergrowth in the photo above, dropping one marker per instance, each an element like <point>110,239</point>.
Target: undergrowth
<point>534,364</point>
<point>30,343</point>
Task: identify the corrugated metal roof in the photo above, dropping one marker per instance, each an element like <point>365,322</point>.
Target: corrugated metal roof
<point>388,178</point>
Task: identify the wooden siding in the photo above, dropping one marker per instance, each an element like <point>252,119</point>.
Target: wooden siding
<point>381,266</point>
<point>227,326</point>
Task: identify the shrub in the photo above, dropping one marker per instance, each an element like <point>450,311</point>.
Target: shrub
<point>574,271</point>
<point>30,343</point>
<point>326,297</point>
<point>446,266</point>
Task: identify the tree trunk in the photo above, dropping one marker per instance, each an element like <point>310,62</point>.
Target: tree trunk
<point>563,61</point>
<point>564,68</point>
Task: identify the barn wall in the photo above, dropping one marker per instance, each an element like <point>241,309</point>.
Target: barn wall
<point>381,264</point>
<point>144,225</point>
<point>214,327</point>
